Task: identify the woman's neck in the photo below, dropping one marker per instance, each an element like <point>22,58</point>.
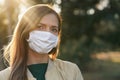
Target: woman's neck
<point>35,58</point>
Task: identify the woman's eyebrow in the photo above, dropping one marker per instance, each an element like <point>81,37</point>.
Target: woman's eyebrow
<point>41,24</point>
<point>54,26</point>
<point>50,25</point>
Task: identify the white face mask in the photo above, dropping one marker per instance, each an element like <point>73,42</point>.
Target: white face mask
<point>42,41</point>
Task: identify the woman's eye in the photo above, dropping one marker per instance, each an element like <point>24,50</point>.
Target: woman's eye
<point>41,27</point>
<point>55,30</point>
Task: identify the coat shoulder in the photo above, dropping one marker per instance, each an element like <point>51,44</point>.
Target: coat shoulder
<point>4,74</point>
<point>65,63</point>
<point>69,69</point>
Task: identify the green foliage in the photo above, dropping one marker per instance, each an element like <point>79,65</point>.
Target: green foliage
<point>85,33</point>
<point>3,30</point>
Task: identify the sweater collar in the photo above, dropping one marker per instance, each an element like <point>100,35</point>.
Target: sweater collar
<point>50,66</point>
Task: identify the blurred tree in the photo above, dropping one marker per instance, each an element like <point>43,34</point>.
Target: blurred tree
<point>8,19</point>
<point>33,2</point>
<point>94,24</point>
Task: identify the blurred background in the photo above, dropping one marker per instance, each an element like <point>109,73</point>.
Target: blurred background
<point>90,33</point>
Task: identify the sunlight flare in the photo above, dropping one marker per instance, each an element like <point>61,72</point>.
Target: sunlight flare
<point>2,2</point>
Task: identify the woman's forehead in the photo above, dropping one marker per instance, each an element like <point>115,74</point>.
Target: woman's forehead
<point>49,19</point>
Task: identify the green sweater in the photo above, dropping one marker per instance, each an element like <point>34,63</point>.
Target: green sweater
<point>38,70</point>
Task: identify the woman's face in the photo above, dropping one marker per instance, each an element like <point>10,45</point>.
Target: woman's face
<point>49,23</point>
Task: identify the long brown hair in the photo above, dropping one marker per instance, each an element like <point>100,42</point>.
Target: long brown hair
<point>17,49</point>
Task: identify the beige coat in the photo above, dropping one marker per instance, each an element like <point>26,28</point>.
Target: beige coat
<point>57,70</point>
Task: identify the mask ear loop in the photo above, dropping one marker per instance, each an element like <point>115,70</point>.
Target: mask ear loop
<point>52,53</point>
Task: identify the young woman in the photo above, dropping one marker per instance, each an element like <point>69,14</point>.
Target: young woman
<point>34,47</point>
